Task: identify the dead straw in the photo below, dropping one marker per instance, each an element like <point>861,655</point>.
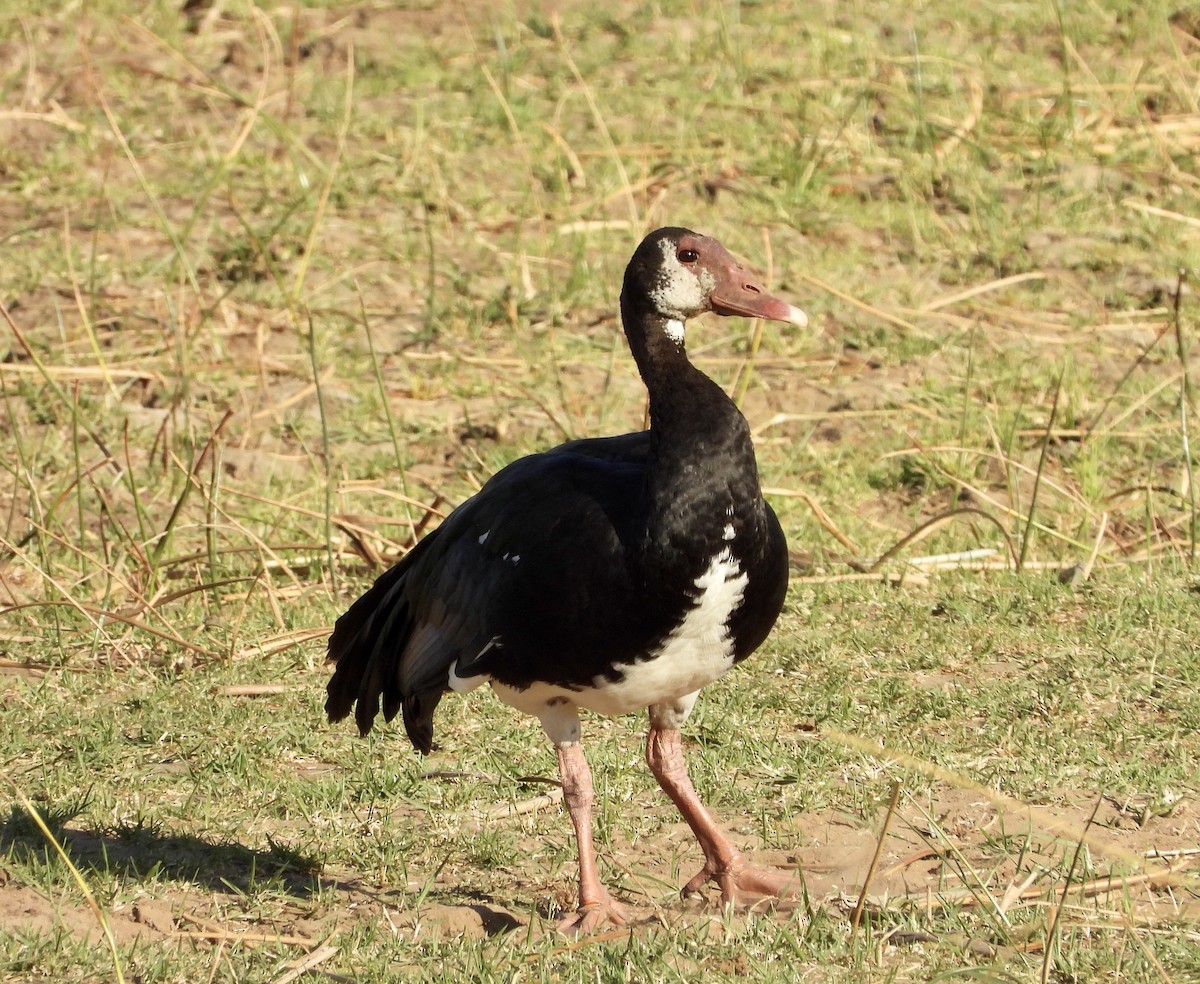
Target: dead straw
<point>110,938</point>
<point>1185,403</point>
<point>1052,929</point>
<point>1027,534</point>
<point>883,831</point>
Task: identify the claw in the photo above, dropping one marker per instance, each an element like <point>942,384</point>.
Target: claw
<point>590,916</point>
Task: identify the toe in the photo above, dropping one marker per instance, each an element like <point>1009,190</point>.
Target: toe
<point>590,917</point>
<point>768,883</point>
<point>741,884</point>
<point>699,880</point>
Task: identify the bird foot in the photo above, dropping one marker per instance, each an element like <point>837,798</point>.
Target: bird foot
<point>590,916</point>
<point>742,884</point>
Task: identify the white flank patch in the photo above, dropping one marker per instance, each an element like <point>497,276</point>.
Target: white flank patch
<point>483,538</point>
<point>464,685</point>
<point>696,652</point>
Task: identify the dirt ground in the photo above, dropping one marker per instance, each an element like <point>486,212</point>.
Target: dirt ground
<point>943,853</point>
<point>836,855</point>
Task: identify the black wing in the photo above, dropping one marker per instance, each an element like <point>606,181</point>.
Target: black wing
<point>526,581</point>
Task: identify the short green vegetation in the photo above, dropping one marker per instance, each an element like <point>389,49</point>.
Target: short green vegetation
<point>281,285</point>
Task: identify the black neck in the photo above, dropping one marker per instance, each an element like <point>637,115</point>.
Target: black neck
<point>701,457</point>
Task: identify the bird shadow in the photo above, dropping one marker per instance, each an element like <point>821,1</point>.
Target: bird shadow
<point>143,850</point>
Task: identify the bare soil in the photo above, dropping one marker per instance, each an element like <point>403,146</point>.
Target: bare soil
<point>833,853</point>
<point>949,856</point>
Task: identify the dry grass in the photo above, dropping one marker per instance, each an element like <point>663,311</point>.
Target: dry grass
<point>283,286</point>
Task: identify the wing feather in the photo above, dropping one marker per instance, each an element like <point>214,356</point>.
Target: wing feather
<point>506,567</point>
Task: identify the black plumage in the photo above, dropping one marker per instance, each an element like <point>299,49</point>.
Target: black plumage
<point>611,573</point>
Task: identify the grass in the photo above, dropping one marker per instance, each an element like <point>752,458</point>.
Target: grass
<point>281,287</point>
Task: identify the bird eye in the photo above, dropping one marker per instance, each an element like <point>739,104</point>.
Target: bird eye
<point>687,256</point>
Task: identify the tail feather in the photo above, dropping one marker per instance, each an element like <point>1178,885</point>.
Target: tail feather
<point>365,657</point>
<point>387,657</point>
<point>418,718</point>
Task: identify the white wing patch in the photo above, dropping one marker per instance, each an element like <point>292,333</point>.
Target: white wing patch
<point>696,652</point>
<point>464,685</point>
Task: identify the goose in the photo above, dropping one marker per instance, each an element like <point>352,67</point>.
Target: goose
<point>609,574</point>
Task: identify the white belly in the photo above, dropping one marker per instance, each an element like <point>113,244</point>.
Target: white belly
<point>694,653</point>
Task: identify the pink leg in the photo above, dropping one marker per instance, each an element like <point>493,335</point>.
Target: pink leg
<point>595,904</point>
<point>723,863</point>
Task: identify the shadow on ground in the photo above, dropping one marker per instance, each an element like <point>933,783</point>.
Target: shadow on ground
<point>139,852</point>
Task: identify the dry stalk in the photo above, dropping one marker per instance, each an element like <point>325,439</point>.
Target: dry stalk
<point>307,963</point>
<point>1109,885</point>
<point>966,295</point>
<point>635,216</point>
<point>932,525</point>
<point>521,807</point>
<point>822,517</point>
<point>101,916</point>
<point>1046,820</point>
<point>863,305</point>
<point>1052,929</point>
<point>1072,496</point>
<point>1185,404</point>
<point>883,831</point>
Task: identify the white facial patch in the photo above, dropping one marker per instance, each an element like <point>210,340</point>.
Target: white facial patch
<point>682,291</point>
